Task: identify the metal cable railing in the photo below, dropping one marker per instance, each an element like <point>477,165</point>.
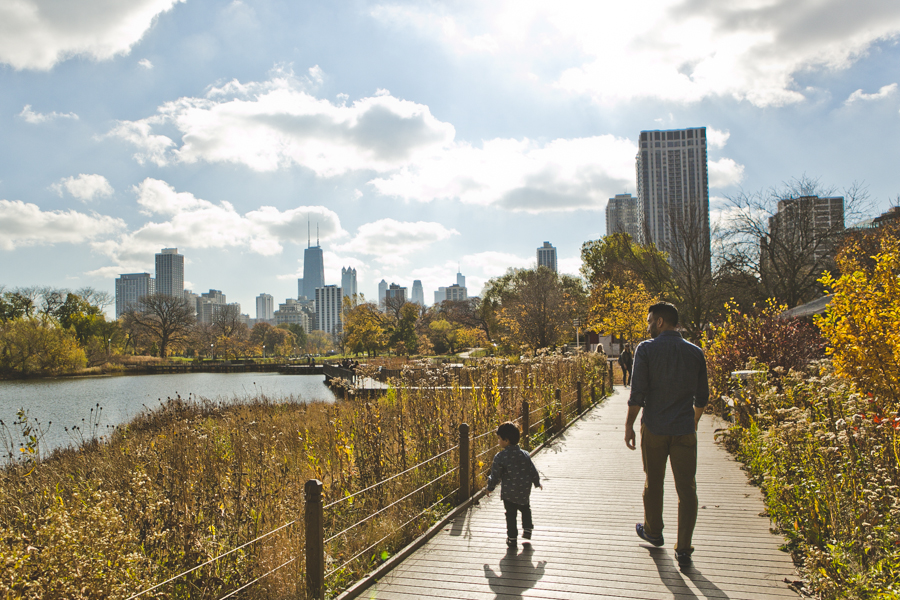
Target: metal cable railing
<point>361,552</point>
<point>392,477</point>
<point>314,502</point>
<point>210,561</point>
<point>246,585</point>
<point>395,502</point>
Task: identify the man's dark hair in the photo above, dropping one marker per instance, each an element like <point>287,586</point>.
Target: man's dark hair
<point>667,311</point>
<point>509,432</point>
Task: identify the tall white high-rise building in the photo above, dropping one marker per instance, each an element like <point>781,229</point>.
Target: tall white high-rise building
<point>348,282</point>
<point>382,291</point>
<point>622,215</point>
<point>130,287</point>
<point>546,257</point>
<point>265,307</point>
<point>418,293</point>
<point>329,301</point>
<point>673,191</point>
<point>170,273</point>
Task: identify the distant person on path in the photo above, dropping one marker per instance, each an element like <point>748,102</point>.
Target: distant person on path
<point>515,472</point>
<point>669,383</point>
<point>625,361</point>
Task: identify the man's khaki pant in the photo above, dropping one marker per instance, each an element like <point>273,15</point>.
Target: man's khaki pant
<point>681,451</point>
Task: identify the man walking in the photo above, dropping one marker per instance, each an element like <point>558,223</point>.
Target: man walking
<point>669,382</point>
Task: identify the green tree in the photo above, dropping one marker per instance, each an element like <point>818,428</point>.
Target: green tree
<point>365,328</point>
<point>403,338</point>
<point>32,345</point>
<point>536,307</point>
<point>15,305</point>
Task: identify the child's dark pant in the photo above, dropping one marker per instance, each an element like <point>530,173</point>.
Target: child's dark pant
<point>511,512</point>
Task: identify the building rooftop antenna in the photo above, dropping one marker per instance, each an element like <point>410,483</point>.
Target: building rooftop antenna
<point>308,238</point>
<point>317,235</point>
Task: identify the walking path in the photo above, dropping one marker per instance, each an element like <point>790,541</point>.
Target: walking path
<point>584,542</point>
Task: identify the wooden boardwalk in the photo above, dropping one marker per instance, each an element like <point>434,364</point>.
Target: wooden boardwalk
<point>584,543</point>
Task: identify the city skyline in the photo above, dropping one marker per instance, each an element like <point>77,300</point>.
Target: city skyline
<point>422,139</point>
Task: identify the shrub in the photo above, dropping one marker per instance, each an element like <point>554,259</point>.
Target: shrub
<point>861,323</point>
<point>778,344</point>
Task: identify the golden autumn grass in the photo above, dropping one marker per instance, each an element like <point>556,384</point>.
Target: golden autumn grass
<point>194,479</point>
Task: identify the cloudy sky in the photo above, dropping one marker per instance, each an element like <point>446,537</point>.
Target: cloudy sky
<point>417,136</point>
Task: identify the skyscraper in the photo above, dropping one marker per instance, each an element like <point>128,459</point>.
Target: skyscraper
<point>313,271</point>
<point>673,192</point>
<point>622,215</point>
<point>460,278</point>
<point>170,273</point>
<point>382,290</point>
<point>265,307</point>
<point>348,283</point>
<point>130,287</point>
<point>209,304</point>
<point>328,308</point>
<point>418,293</point>
<point>546,257</point>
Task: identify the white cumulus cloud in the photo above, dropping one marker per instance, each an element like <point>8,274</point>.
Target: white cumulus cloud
<point>391,241</point>
<point>884,92</point>
<point>36,118</point>
<point>183,220</point>
<point>277,123</point>
<point>521,175</point>
<point>671,50</point>
<point>37,34</point>
<point>84,187</point>
<point>145,62</point>
<point>724,172</point>
<point>25,224</point>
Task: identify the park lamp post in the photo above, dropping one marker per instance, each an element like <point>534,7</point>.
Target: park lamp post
<point>577,323</point>
<point>264,351</point>
<point>211,351</point>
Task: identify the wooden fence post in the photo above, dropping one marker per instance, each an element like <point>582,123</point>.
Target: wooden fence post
<point>315,540</point>
<point>464,461</point>
<point>526,425</point>
<point>593,394</point>
<point>578,397</point>
<point>559,413</point>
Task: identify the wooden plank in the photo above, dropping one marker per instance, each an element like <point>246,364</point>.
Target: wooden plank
<point>584,544</point>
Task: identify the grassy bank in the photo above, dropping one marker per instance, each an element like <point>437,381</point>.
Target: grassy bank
<point>193,479</point>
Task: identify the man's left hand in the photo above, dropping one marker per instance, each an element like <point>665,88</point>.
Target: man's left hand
<point>630,437</point>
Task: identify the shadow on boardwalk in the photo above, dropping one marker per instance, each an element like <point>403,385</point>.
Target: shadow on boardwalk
<point>585,546</point>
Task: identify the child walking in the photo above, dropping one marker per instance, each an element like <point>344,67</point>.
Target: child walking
<point>515,472</point>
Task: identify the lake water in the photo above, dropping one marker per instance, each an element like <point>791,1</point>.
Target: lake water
<point>65,402</point>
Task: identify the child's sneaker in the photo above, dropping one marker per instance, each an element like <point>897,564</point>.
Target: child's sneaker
<point>510,542</point>
<point>526,534</point>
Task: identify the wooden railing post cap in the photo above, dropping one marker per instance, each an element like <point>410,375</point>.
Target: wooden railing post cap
<point>312,490</point>
<point>463,428</point>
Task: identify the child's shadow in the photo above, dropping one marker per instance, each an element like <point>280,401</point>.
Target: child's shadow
<point>517,573</point>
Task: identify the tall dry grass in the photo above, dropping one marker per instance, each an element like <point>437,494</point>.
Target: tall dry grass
<point>194,479</point>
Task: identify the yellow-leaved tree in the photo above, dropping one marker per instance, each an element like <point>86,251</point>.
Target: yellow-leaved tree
<point>620,310</point>
<point>861,323</point>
